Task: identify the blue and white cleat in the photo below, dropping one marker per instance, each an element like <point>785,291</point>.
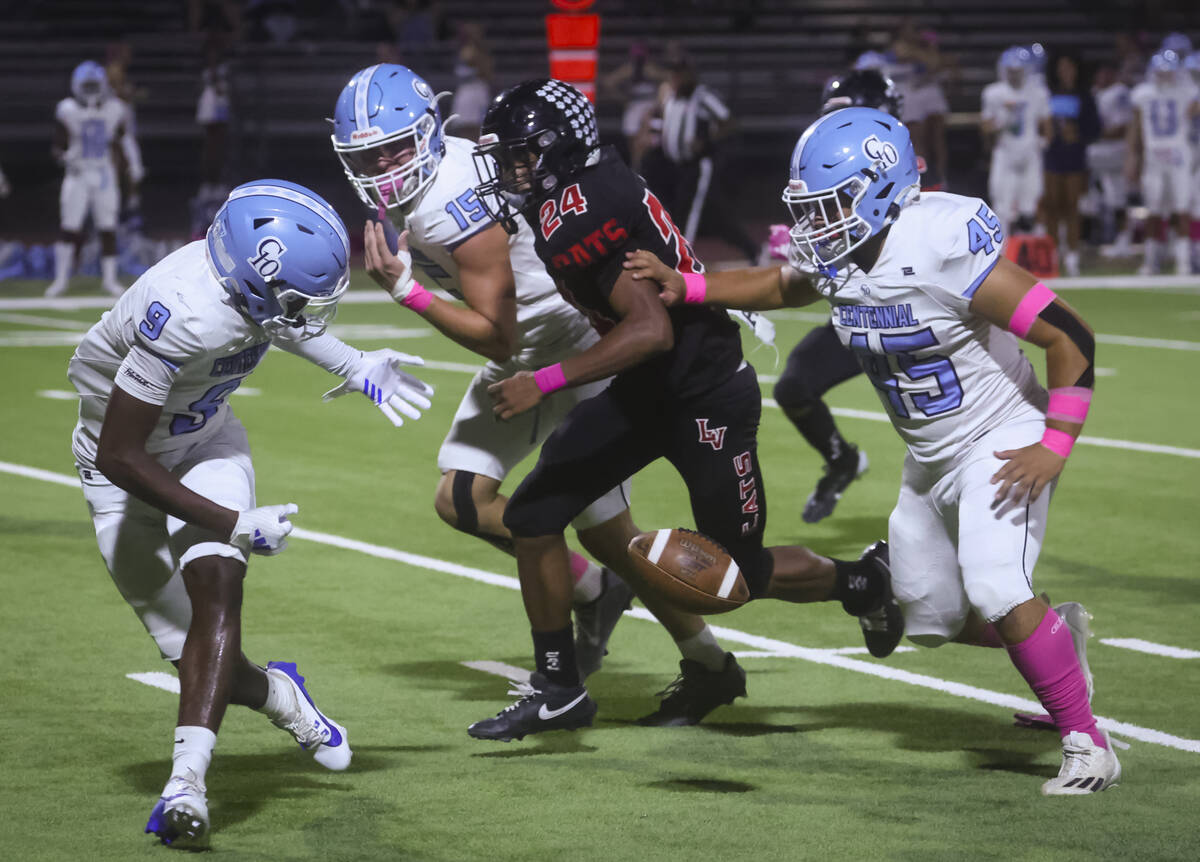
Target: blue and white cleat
<point>180,817</point>
<point>308,725</point>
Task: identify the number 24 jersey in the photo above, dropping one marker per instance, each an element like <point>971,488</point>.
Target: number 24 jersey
<point>945,375</point>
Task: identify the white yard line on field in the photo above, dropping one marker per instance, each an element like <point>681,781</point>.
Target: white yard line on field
<point>156,679</point>
<point>757,642</point>
<point>1150,648</point>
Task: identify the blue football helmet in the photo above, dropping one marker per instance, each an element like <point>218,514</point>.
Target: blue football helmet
<point>282,253</point>
<point>852,172</point>
<point>1177,42</point>
<point>872,60</point>
<point>89,83</point>
<point>384,112</point>
<point>1163,68</point>
<point>1013,65</point>
<point>1037,58</point>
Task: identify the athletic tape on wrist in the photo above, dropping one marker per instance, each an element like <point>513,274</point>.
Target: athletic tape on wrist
<point>418,298</point>
<point>1069,404</point>
<point>550,378</point>
<point>695,287</point>
<point>1031,304</point>
<point>1058,442</point>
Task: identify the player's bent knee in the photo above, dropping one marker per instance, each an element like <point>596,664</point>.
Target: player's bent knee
<point>929,641</point>
<point>994,595</point>
<point>443,499</point>
<point>792,391</point>
<point>533,518</point>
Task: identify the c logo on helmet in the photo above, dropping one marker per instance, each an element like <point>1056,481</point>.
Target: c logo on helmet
<point>266,260</point>
<point>422,89</point>
<point>881,151</point>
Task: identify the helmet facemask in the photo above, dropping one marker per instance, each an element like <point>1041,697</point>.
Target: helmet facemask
<point>827,225</point>
<point>511,173</point>
<point>380,172</point>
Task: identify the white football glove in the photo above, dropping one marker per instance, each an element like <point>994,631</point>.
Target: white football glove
<point>263,530</point>
<point>380,377</point>
<point>404,284</point>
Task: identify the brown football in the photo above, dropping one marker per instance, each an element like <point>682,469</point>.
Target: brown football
<point>690,569</point>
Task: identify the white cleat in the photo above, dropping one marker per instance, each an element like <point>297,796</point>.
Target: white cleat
<point>56,288</point>
<point>1076,617</point>
<point>314,731</point>
<point>180,818</point>
<point>1086,767</point>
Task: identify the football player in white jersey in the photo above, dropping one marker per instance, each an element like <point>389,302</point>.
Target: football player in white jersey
<point>388,134</point>
<point>1163,108</point>
<point>920,290</point>
<point>1191,64</point>
<point>88,127</point>
<point>165,465</point>
<point>1016,119</point>
<point>1106,157</point>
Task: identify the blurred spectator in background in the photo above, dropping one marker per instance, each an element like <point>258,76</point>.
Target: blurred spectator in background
<point>635,82</point>
<point>1106,159</point>
<point>1191,65</point>
<point>473,80</point>
<point>5,187</point>
<point>118,57</point>
<point>415,24</point>
<point>214,112</point>
<point>917,60</point>
<point>1074,124</point>
<point>692,121</point>
<point>1015,119</point>
<point>1130,59</point>
<point>215,19</point>
<point>1163,107</point>
<point>272,20</point>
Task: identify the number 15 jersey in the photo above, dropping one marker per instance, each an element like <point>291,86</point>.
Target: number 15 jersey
<point>945,376</point>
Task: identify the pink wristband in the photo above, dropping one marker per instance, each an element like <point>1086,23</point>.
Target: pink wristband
<point>695,286</point>
<point>1069,404</point>
<point>418,298</point>
<point>1058,442</point>
<point>550,378</point>
<point>1038,297</point>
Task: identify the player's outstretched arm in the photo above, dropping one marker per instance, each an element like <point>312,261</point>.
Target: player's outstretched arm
<point>757,289</point>
<point>1014,299</point>
<point>644,331</point>
<point>488,323</point>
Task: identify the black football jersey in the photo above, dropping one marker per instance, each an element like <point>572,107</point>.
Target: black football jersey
<point>582,232</point>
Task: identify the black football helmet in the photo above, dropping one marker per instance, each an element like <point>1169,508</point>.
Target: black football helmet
<point>862,88</point>
<point>534,137</point>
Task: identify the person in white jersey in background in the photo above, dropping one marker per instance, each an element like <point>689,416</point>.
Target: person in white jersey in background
<point>388,134</point>
<point>1159,153</point>
<point>1016,119</point>
<point>165,465</point>
<point>88,127</point>
<point>1191,64</point>
<point>920,290</point>
<point>1106,157</point>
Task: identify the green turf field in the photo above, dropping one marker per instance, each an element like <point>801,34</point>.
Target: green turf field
<point>833,756</point>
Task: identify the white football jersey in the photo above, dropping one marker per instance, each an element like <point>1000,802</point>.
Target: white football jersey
<point>448,214</point>
<point>91,131</point>
<point>945,376</point>
<point>1166,121</point>
<point>1017,112</point>
<point>175,339</point>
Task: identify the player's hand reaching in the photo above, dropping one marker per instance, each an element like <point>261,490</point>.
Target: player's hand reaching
<point>645,264</point>
<point>264,530</point>
<point>1028,471</point>
<point>390,270</point>
<point>380,377</point>
<point>515,395</point>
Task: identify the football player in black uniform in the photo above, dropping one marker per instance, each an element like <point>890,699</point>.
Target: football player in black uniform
<point>820,361</point>
<point>681,391</point>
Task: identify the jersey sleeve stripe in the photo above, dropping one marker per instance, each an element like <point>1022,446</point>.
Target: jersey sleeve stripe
<point>451,246</point>
<point>970,291</point>
<point>160,357</point>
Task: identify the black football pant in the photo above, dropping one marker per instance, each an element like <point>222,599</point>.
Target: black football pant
<point>711,441</point>
<point>817,364</point>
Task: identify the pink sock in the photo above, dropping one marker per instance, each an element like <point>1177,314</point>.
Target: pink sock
<point>1048,662</point>
<point>579,565</point>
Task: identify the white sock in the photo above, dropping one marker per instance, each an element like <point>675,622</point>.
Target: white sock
<point>703,647</point>
<point>588,582</point>
<point>64,260</point>
<point>193,752</point>
<point>281,699</point>
<point>108,269</point>
<point>1151,248</point>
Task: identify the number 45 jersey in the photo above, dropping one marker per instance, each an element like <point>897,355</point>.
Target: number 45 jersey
<point>944,375</point>
<point>172,339</point>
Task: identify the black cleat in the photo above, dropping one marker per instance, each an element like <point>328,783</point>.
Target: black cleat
<point>543,706</point>
<point>838,475</point>
<point>696,692</point>
<point>595,621</point>
<point>883,626</point>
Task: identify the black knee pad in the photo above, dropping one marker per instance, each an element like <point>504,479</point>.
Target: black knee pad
<point>466,516</point>
<point>793,392</point>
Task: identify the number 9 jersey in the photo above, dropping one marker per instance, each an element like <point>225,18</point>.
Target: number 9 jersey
<point>172,339</point>
<point>944,375</point>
